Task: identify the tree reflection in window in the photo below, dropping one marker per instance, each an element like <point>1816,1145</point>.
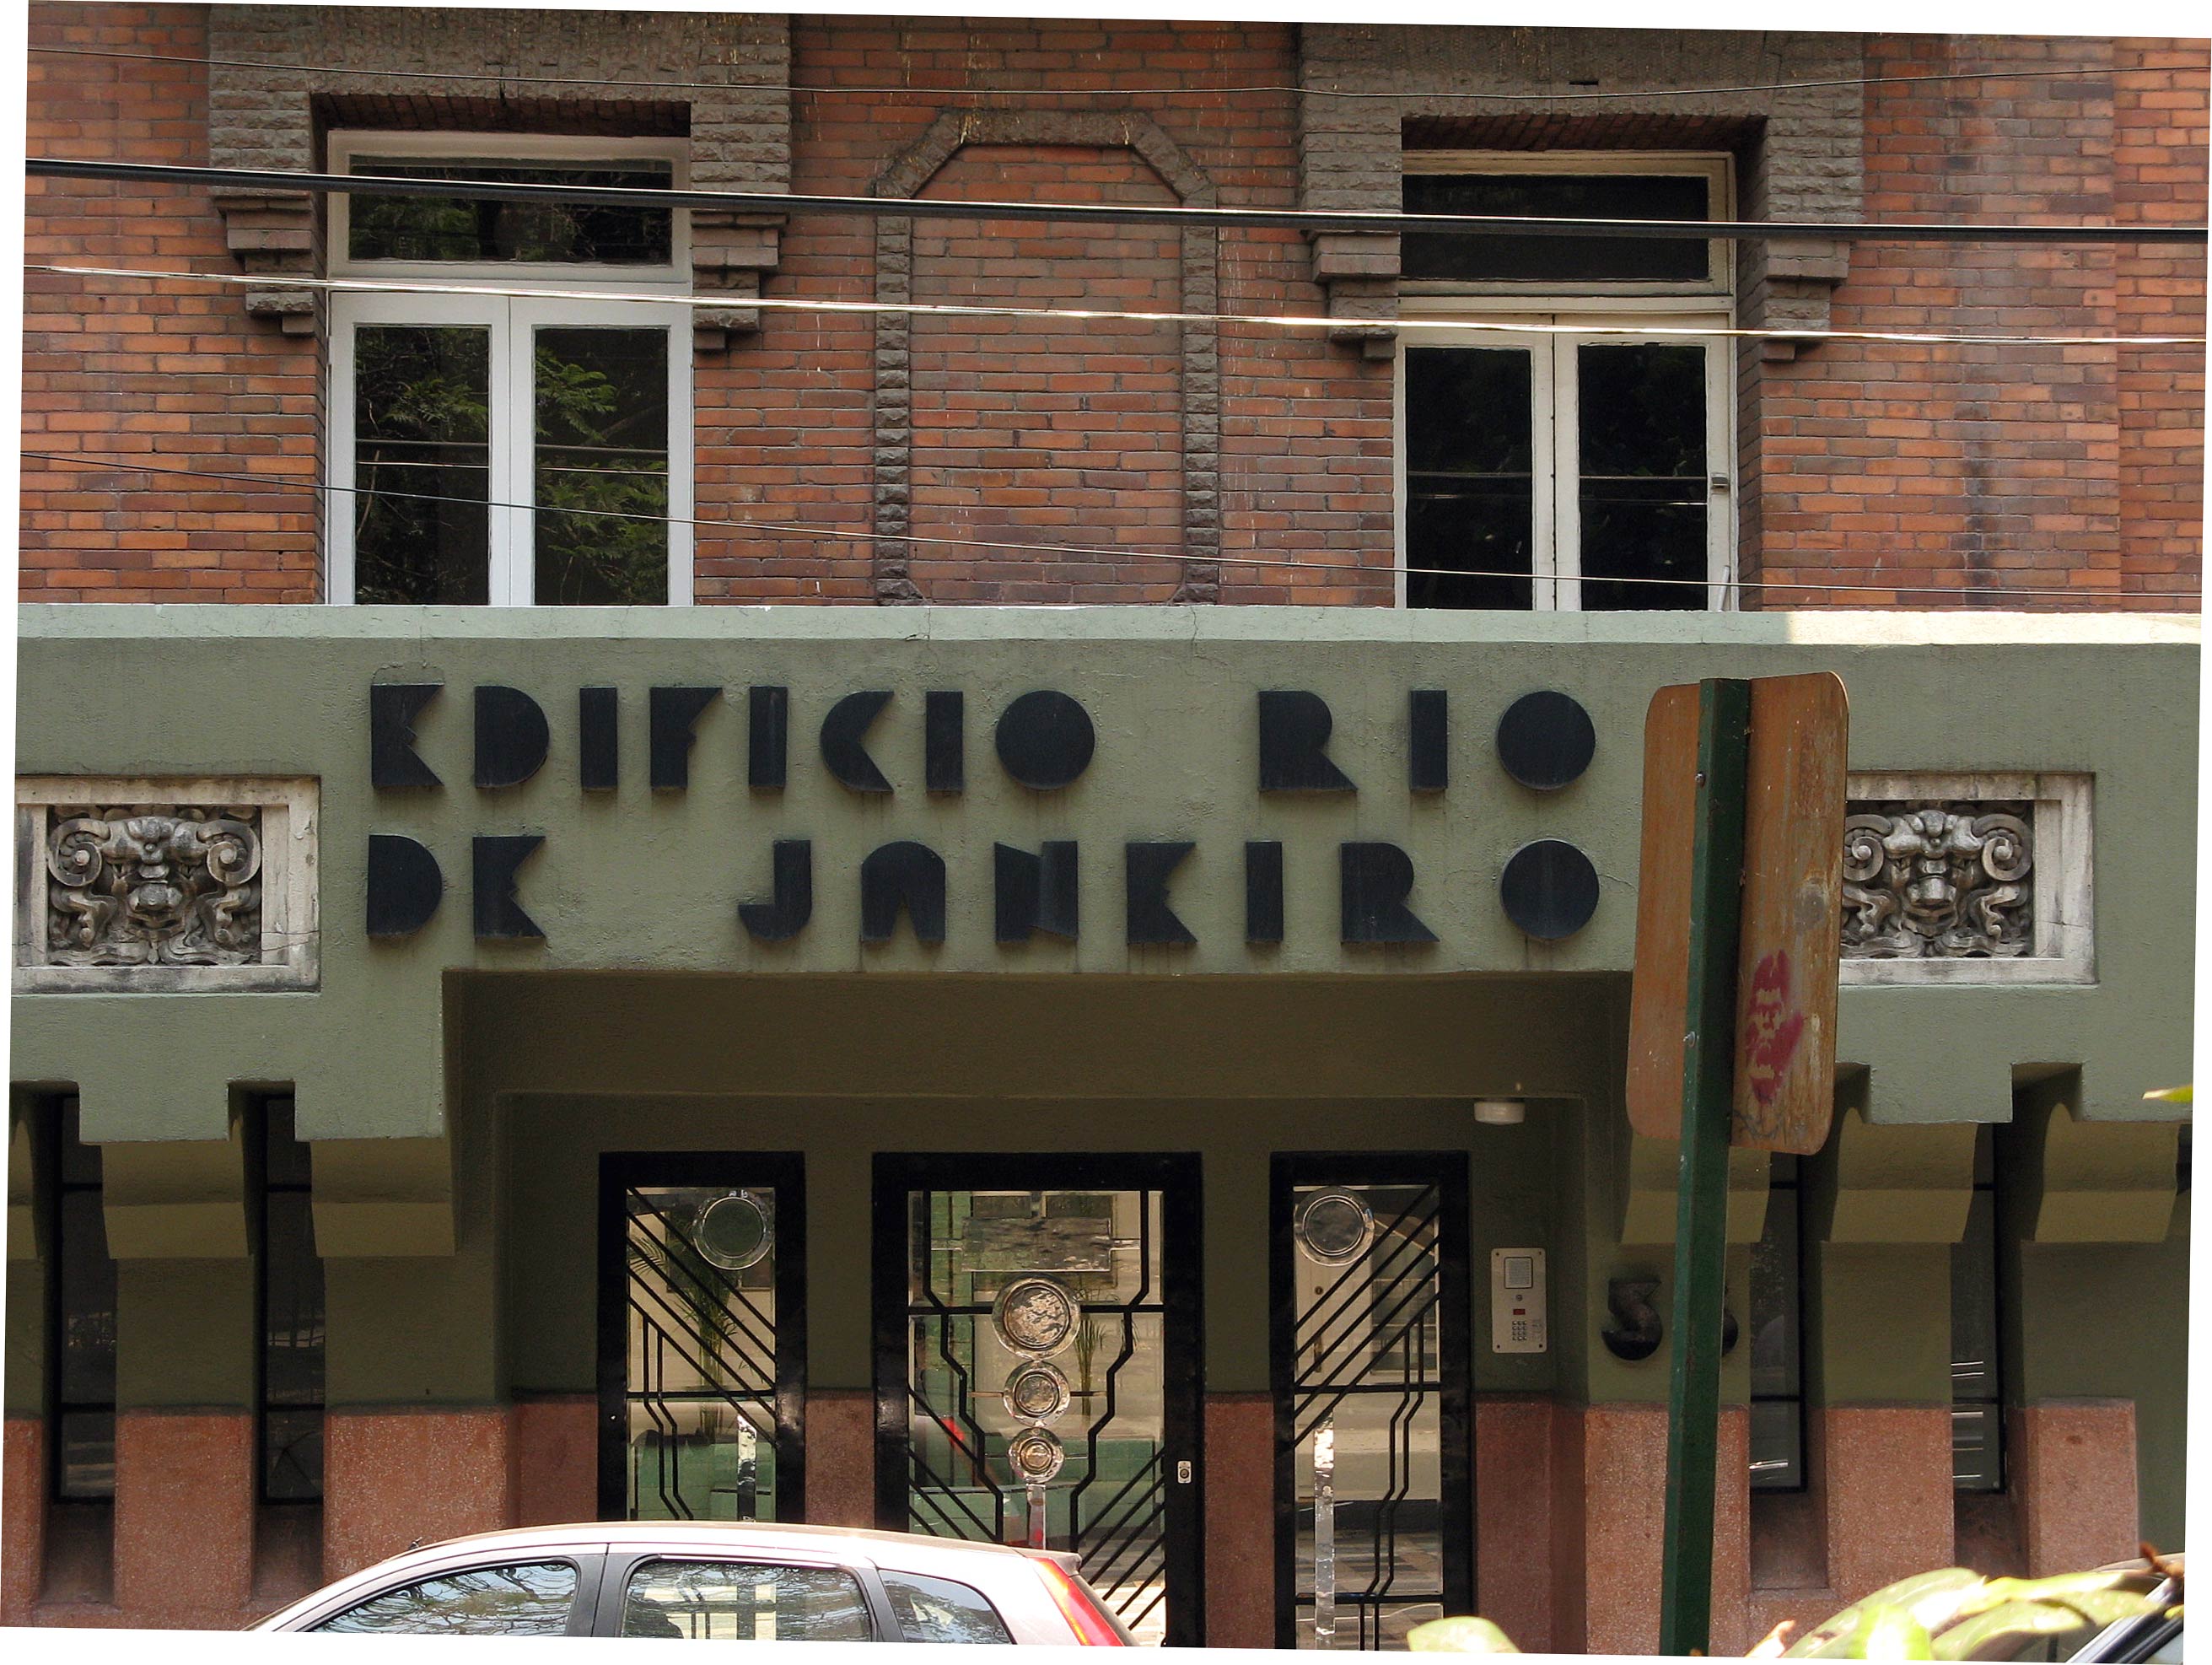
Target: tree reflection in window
<point>529,1599</point>
<point>745,1602</point>
<point>940,1610</point>
<point>601,435</point>
<point>421,464</point>
<point>474,228</point>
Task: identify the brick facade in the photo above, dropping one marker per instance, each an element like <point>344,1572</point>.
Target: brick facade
<point>1178,463</point>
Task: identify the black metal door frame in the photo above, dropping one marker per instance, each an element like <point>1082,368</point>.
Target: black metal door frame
<point>1448,1170</point>
<point>1176,1176</point>
<point>784,1173</point>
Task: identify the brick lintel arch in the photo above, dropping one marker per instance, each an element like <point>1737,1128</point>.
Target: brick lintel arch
<point>906,175</point>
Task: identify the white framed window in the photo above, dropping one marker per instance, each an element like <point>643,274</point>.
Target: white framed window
<point>1572,447</point>
<point>505,449</point>
<point>1567,185</point>
<point>1565,468</point>
<point>456,239</point>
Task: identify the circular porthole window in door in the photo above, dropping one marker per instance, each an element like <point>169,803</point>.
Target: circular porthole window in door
<point>1036,1315</point>
<point>1035,1455</point>
<point>735,1232</point>
<point>1334,1227</point>
<point>1038,1393</point>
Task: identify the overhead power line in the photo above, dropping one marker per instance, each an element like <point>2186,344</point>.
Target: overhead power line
<point>1069,552</point>
<point>1389,223</point>
<point>1570,95</point>
<point>1307,321</point>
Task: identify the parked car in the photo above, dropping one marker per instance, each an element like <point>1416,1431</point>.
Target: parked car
<point>713,1581</point>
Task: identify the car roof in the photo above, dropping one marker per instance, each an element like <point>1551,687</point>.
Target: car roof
<point>725,1535</point>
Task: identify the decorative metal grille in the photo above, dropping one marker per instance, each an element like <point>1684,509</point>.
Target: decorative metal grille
<point>1375,1500</point>
<point>703,1423</point>
<point>1043,1384</point>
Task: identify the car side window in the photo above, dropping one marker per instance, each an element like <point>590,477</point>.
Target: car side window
<point>745,1602</point>
<point>938,1610</point>
<point>530,1599</point>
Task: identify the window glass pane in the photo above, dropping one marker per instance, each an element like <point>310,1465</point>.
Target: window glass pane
<point>1776,1446</point>
<point>473,229</point>
<point>1977,1447</point>
<point>87,1303</point>
<point>745,1602</point>
<point>602,446</point>
<point>292,1455</point>
<point>938,1610</point>
<point>1775,1318</point>
<point>531,1599</point>
<point>1644,492</point>
<point>1977,1384</point>
<point>1470,489</point>
<point>87,1454</point>
<point>1469,258</point>
<point>79,1162</point>
<point>293,1303</point>
<point>422,463</point>
<point>284,1160</point>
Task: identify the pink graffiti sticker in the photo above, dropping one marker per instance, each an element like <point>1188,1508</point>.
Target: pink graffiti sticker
<point>1771,1026</point>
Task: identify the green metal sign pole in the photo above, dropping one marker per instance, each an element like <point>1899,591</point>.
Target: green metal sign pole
<point>1693,1393</point>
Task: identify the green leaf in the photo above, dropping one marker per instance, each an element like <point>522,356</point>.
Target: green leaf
<point>2001,1631</point>
<point>1463,1635</point>
<point>1889,1632</point>
<point>1933,1599</point>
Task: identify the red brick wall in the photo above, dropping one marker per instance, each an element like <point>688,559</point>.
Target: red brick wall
<point>1969,469</point>
<point>2159,138</point>
<point>1305,428</point>
<point>1048,431</point>
<point>1965,468</point>
<point>163,375</point>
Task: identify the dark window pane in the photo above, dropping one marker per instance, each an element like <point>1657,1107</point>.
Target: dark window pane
<point>1465,257</point>
<point>1977,1447</point>
<point>292,1456</point>
<point>1644,491</point>
<point>284,1160</point>
<point>1778,1446</point>
<point>745,1602</point>
<point>470,228</point>
<point>87,1455</point>
<point>292,1302</point>
<point>422,463</point>
<point>531,1600</point>
<point>79,1162</point>
<point>602,446</point>
<point>87,1303</point>
<point>1977,1382</point>
<point>938,1610</point>
<point>1775,1302</point>
<point>1469,477</point>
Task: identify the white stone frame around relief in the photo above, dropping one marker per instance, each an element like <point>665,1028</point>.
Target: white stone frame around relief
<point>290,830</point>
<point>2064,888</point>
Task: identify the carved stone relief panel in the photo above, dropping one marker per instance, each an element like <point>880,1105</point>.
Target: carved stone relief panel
<point>1926,880</point>
<point>153,886</point>
<point>1967,879</point>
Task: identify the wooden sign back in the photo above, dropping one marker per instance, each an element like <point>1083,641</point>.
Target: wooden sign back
<point>1791,940</point>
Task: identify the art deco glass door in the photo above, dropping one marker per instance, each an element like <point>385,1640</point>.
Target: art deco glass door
<point>702,1339</point>
<point>1374,1491</point>
<point>1036,1365</point>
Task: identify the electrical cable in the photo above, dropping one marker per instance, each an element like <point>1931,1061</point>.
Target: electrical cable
<point>1368,222</point>
<point>1066,550</point>
<point>1577,95</point>
<point>975,309</point>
